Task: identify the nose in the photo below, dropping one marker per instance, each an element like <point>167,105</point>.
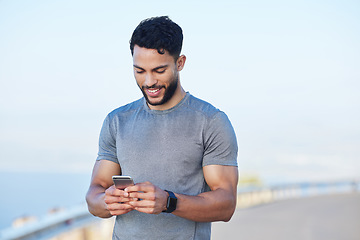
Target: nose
<point>150,80</point>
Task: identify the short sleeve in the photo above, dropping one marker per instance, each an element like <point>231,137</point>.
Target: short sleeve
<point>107,142</point>
<point>220,142</point>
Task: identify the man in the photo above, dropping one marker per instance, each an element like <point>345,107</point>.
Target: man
<point>180,151</point>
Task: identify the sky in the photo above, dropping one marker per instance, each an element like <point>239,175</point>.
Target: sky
<point>285,72</point>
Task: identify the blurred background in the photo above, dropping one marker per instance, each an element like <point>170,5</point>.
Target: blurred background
<point>285,72</point>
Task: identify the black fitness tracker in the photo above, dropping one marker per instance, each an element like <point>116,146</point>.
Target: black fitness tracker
<point>171,202</point>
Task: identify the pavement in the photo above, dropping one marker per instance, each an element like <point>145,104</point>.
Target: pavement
<point>330,217</point>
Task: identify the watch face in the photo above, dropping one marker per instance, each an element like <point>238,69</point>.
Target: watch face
<point>171,202</point>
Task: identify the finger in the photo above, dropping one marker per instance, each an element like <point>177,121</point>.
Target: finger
<point>147,210</point>
<point>108,199</point>
<point>143,195</point>
<point>141,187</point>
<point>142,204</point>
<point>117,208</point>
<point>114,191</point>
<point>113,199</point>
<point>117,195</point>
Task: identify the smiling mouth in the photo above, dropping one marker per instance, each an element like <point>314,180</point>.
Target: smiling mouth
<point>153,90</point>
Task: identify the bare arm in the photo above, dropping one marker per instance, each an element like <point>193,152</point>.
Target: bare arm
<point>217,205</point>
<point>103,198</point>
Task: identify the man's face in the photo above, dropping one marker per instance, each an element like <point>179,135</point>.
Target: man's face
<point>156,75</point>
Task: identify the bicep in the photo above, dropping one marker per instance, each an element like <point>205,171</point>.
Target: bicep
<point>221,177</point>
<point>103,172</point>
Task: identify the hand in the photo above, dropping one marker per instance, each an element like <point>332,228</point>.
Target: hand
<point>116,202</point>
<point>153,199</point>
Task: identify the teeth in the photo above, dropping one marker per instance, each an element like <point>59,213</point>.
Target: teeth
<point>153,91</point>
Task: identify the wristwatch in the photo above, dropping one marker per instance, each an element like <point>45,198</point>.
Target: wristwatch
<point>171,202</point>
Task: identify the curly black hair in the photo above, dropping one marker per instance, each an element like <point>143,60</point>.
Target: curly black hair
<point>159,33</point>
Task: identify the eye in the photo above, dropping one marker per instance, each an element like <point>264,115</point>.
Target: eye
<point>160,71</point>
<point>139,71</point>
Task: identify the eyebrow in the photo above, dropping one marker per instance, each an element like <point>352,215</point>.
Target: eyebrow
<point>154,69</point>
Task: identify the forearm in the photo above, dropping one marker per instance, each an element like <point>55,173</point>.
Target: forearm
<point>95,201</point>
<point>217,205</point>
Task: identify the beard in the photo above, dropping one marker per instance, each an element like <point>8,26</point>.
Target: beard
<point>169,92</point>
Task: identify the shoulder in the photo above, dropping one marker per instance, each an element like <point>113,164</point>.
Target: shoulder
<point>213,117</point>
<point>125,110</point>
<point>202,107</point>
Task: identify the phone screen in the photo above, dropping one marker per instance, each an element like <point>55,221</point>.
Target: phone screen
<point>122,182</point>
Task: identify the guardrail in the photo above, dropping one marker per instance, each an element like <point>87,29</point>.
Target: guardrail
<point>50,225</point>
<point>259,195</point>
<point>79,217</point>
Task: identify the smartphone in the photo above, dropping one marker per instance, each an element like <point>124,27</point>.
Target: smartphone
<point>121,182</point>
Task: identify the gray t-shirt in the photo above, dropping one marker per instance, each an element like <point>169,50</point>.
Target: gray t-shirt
<point>168,148</point>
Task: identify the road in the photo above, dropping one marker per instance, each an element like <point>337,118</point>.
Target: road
<point>330,217</point>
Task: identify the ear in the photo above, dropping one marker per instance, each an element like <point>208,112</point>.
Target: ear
<point>180,62</point>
